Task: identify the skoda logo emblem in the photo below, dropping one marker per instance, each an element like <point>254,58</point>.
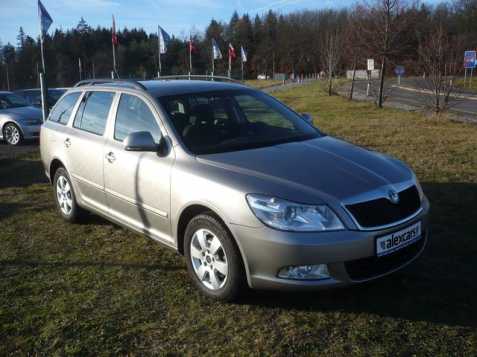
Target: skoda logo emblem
<point>393,196</point>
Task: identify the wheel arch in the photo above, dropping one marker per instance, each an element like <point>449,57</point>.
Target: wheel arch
<point>195,209</point>
<point>54,166</point>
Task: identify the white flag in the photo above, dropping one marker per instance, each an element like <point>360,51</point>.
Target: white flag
<point>244,54</point>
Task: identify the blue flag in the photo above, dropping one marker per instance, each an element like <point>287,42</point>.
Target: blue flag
<point>243,53</point>
<point>216,50</point>
<point>45,19</point>
<point>164,40</point>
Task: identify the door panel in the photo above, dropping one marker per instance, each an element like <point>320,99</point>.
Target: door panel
<point>86,152</point>
<point>137,184</point>
<point>86,148</point>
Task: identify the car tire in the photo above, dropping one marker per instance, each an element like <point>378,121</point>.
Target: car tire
<point>65,197</point>
<point>213,259</point>
<point>12,134</point>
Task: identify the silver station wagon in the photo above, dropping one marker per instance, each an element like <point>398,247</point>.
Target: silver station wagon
<point>248,190</point>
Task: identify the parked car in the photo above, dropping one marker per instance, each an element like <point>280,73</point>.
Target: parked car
<point>18,120</point>
<point>33,96</point>
<point>248,190</point>
<point>263,77</point>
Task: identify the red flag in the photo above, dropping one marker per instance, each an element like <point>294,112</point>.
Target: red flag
<point>191,46</point>
<point>114,37</point>
<point>232,53</point>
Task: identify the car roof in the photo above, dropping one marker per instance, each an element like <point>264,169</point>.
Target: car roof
<point>160,88</point>
<point>163,87</point>
<point>5,92</point>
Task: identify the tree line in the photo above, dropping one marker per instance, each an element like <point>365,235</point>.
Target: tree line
<point>302,43</point>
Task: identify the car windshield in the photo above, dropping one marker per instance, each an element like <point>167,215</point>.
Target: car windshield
<point>217,122</point>
<point>11,101</point>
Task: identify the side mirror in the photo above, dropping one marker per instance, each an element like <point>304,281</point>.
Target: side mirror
<point>308,118</point>
<point>141,141</point>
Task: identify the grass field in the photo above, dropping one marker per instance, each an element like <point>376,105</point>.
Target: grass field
<point>262,84</point>
<point>468,85</point>
<point>97,289</point>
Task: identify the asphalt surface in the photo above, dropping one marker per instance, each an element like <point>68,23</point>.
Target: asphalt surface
<point>414,94</point>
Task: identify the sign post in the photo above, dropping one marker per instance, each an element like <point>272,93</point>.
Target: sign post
<point>470,61</point>
<point>370,68</point>
<point>399,71</point>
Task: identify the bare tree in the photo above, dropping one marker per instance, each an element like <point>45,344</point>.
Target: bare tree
<point>381,31</point>
<point>352,45</point>
<point>331,54</point>
<point>440,59</point>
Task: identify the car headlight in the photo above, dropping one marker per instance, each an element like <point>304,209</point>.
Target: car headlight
<point>290,216</point>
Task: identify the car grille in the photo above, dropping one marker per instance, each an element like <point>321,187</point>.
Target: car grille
<point>382,212</point>
<point>367,268</point>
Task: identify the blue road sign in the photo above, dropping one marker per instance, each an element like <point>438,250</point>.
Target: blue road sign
<point>470,59</point>
<point>399,71</point>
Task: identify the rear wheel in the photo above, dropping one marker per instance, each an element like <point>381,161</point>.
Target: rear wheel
<point>65,197</point>
<point>213,260</point>
<point>12,134</point>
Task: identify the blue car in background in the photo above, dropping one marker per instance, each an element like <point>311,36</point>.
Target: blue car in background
<point>18,120</point>
<point>33,96</point>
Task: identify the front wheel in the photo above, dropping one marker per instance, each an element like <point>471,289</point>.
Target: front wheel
<point>213,259</point>
<point>12,134</point>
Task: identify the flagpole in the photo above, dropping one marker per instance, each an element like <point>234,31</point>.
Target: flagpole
<point>242,64</point>
<point>42,53</point>
<point>114,73</point>
<point>213,60</point>
<point>190,56</point>
<point>230,64</point>
<point>114,62</point>
<point>159,50</point>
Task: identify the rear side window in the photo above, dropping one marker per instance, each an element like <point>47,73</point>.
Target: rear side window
<point>93,111</point>
<point>62,111</point>
<point>134,115</point>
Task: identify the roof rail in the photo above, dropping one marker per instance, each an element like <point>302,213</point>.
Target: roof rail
<point>128,82</point>
<point>198,77</point>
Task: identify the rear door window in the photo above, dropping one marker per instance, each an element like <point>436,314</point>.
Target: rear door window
<point>92,114</point>
<point>62,111</point>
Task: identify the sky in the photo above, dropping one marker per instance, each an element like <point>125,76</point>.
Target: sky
<point>177,17</point>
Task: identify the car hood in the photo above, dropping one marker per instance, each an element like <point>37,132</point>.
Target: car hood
<point>325,167</point>
<point>22,113</point>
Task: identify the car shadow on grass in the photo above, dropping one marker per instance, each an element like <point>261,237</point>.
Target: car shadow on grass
<point>88,264</point>
<point>8,209</point>
<point>440,287</point>
<point>21,173</point>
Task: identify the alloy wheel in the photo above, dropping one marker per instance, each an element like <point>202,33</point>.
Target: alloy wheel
<point>209,259</point>
<point>64,195</point>
<point>12,134</point>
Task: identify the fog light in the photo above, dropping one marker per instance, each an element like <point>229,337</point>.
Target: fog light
<point>305,272</point>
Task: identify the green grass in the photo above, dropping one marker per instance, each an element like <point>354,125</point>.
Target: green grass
<point>262,84</point>
<point>97,289</point>
<point>468,85</point>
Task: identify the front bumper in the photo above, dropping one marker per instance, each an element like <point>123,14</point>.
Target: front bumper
<point>350,254</point>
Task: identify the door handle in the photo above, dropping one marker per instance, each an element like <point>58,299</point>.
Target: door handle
<point>67,142</point>
<point>111,157</point>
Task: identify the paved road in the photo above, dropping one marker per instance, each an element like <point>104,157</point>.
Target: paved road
<point>413,94</point>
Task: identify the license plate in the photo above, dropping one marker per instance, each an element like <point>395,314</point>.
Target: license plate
<point>394,241</point>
